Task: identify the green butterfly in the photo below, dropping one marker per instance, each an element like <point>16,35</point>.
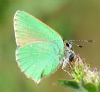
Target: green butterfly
<point>40,49</point>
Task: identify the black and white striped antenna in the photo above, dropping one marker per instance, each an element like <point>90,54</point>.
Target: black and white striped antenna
<point>74,42</point>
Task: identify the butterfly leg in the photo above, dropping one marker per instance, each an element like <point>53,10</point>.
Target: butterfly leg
<point>64,64</point>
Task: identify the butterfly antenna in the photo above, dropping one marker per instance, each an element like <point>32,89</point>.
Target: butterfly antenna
<point>78,45</point>
<point>85,41</point>
<point>73,42</point>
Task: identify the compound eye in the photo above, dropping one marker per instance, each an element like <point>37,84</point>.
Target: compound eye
<point>67,44</point>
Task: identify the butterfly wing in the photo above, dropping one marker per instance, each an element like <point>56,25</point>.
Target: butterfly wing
<point>38,59</point>
<point>40,48</point>
<point>28,29</point>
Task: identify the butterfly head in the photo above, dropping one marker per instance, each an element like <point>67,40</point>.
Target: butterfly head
<point>68,45</point>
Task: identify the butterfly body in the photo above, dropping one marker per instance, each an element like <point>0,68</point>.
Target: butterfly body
<point>40,49</point>
<point>69,54</point>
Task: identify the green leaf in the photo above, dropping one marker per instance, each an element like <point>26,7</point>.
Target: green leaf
<point>90,87</point>
<point>67,83</point>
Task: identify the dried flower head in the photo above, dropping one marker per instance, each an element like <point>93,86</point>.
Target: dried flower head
<point>80,71</point>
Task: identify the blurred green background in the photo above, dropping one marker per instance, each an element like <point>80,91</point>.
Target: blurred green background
<point>73,19</point>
